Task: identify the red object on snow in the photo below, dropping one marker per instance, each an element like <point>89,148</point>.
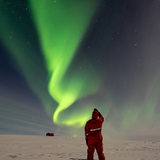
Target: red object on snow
<point>49,134</point>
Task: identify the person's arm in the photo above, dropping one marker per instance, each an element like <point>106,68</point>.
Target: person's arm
<point>86,133</point>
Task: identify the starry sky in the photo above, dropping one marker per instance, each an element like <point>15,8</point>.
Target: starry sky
<point>59,59</point>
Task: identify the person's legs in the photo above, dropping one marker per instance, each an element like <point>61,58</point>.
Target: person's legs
<point>90,152</point>
<point>91,149</point>
<point>99,149</point>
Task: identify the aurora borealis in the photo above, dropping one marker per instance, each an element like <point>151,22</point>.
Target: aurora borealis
<point>61,58</point>
<point>60,33</point>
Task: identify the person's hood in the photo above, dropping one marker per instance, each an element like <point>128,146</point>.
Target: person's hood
<point>95,115</point>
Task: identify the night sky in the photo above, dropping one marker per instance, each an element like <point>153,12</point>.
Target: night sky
<point>59,59</point>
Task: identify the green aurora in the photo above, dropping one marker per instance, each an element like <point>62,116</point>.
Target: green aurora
<point>55,31</point>
<point>61,27</point>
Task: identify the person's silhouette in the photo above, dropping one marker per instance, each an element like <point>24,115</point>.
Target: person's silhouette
<point>93,135</point>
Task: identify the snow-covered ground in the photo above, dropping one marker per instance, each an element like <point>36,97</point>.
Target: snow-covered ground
<point>21,147</point>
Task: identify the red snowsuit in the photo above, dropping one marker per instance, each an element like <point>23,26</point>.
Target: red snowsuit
<point>94,136</point>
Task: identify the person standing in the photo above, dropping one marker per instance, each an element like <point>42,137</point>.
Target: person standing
<point>93,135</point>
